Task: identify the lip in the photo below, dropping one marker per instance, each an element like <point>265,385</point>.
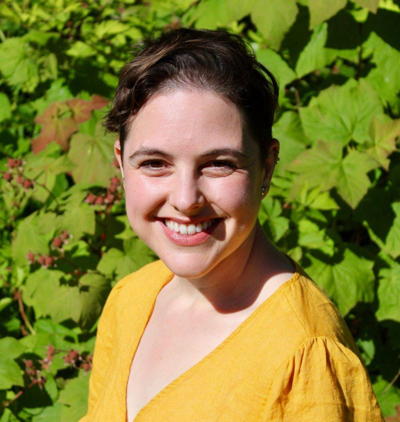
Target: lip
<point>189,239</point>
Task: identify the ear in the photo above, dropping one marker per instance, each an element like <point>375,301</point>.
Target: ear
<point>271,159</point>
<point>118,156</point>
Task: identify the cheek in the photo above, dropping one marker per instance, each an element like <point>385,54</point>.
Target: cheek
<point>236,195</point>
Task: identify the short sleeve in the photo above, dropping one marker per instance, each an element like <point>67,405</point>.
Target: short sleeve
<point>323,381</point>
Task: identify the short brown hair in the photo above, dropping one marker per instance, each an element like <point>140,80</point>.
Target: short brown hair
<point>214,60</point>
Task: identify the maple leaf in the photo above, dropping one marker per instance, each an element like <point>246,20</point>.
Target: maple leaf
<point>61,119</point>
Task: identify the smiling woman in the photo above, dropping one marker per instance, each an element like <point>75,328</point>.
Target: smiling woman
<point>224,327</point>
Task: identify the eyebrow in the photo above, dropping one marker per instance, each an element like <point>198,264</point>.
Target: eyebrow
<point>218,151</point>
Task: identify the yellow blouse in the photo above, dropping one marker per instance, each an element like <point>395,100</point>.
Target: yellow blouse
<point>293,359</point>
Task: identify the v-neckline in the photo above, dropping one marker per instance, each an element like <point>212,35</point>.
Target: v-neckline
<point>295,276</point>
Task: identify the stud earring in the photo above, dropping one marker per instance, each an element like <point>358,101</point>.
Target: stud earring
<point>263,190</point>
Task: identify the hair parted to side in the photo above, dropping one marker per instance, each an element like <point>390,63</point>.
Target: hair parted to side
<point>212,60</point>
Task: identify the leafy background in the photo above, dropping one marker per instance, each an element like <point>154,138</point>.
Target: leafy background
<point>334,205</point>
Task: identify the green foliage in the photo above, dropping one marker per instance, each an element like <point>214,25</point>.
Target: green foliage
<point>333,204</point>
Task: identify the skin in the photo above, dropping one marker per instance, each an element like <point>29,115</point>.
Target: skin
<point>185,150</point>
<point>187,158</point>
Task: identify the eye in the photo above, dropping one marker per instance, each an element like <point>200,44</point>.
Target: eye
<point>153,166</point>
<point>219,168</point>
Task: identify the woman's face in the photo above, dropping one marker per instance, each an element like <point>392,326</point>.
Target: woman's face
<point>192,180</point>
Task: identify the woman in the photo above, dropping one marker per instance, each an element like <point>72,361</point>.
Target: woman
<point>224,327</point>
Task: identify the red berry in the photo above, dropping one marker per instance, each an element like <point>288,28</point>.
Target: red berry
<point>109,199</point>
<point>28,184</point>
<point>48,261</point>
<point>28,363</point>
<point>90,198</point>
<point>20,179</point>
<point>30,256</point>
<point>7,176</point>
<point>103,236</point>
<point>86,366</point>
<point>71,357</point>
<point>64,235</point>
<point>57,242</point>
<point>41,260</point>
<point>99,200</point>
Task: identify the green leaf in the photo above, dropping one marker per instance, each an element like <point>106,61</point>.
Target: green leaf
<point>5,107</point>
<point>79,219</point>
<point>311,236</point>
<point>11,348</point>
<point>321,10</point>
<point>347,282</point>
<point>392,244</point>
<point>279,68</point>
<point>116,262</point>
<point>274,224</point>
<point>289,131</point>
<point>212,14</point>
<point>81,50</point>
<point>50,414</point>
<point>44,292</point>
<point>383,134</point>
<point>10,372</point>
<point>388,396</point>
<point>353,182</point>
<point>386,75</point>
<point>18,65</point>
<point>340,114</point>
<point>94,289</point>
<point>93,158</point>
<point>273,19</point>
<point>389,293</point>
<point>74,398</point>
<point>33,235</point>
<point>371,5</point>
<point>109,27</point>
<point>314,56</point>
<point>318,166</point>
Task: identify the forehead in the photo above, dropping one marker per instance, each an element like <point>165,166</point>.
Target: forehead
<point>188,120</point>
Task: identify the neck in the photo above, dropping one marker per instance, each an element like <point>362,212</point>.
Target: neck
<point>235,283</point>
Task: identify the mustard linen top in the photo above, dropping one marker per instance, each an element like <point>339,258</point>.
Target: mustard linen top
<point>293,359</point>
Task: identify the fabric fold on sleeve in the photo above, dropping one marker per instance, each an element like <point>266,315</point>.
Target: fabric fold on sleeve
<point>323,381</point>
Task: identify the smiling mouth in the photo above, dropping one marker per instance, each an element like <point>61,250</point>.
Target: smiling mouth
<point>191,229</point>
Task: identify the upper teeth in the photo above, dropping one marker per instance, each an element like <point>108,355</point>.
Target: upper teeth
<point>187,228</point>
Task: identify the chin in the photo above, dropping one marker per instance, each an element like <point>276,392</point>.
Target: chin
<point>186,266</point>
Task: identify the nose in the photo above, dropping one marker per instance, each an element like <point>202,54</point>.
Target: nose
<point>186,195</point>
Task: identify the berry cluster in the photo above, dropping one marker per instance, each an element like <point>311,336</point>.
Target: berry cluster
<point>50,260</point>
<point>78,360</point>
<point>33,374</point>
<point>108,198</point>
<point>15,174</point>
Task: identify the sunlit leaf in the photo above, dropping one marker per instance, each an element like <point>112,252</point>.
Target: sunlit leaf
<point>18,65</point>
<point>74,398</point>
<point>314,56</point>
<point>347,282</point>
<point>321,10</point>
<point>383,134</point>
<point>273,19</point>
<point>389,293</point>
<point>93,158</point>
<point>371,5</point>
<point>61,119</point>
<point>340,114</point>
<point>279,68</point>
<point>5,107</point>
